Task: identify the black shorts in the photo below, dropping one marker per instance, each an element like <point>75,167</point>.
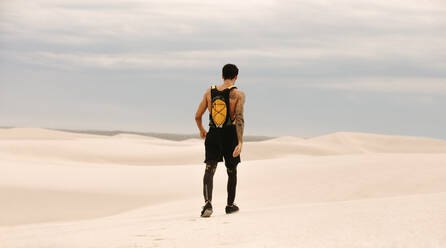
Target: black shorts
<point>221,142</point>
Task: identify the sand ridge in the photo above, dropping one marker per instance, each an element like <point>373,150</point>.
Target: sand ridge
<point>129,149</point>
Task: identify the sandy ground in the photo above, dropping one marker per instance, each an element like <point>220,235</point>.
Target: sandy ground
<point>61,189</point>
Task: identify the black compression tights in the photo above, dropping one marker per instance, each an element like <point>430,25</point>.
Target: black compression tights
<point>208,181</point>
<point>232,184</point>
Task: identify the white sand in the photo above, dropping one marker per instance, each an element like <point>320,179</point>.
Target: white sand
<point>61,189</point>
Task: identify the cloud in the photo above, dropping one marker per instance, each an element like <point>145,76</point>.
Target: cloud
<point>284,40</point>
<point>430,86</point>
<point>298,59</point>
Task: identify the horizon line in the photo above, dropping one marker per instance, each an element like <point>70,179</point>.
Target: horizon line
<point>183,136</point>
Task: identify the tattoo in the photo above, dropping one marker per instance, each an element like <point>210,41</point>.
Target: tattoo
<point>232,95</point>
<point>239,118</point>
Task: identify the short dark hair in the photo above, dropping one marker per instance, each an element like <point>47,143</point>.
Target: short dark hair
<point>230,71</point>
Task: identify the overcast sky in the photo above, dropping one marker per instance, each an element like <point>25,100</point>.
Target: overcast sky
<point>308,67</point>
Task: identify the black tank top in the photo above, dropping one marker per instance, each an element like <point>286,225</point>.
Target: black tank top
<point>219,116</point>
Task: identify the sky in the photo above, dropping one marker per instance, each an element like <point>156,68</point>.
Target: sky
<point>307,67</point>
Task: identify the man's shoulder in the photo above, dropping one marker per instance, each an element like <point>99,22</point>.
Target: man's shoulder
<point>236,90</point>
<point>240,93</point>
<point>237,94</point>
<point>208,91</point>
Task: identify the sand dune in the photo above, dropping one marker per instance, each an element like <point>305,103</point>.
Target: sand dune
<point>130,149</point>
<point>40,134</point>
<point>362,143</point>
<point>340,190</point>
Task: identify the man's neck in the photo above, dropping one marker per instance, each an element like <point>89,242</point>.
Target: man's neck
<point>228,83</point>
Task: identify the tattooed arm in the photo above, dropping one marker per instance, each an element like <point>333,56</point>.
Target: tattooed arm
<point>239,122</point>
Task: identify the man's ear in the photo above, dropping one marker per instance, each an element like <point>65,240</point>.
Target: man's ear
<point>235,78</point>
<point>222,77</point>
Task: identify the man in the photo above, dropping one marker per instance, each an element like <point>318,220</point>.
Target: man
<point>225,137</point>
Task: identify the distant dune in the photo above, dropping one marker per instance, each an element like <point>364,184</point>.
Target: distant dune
<point>136,149</point>
<point>168,136</point>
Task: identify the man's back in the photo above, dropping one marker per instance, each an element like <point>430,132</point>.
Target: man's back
<point>234,96</point>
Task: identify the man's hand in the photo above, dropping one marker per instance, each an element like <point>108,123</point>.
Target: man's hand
<point>203,133</point>
<point>237,150</point>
